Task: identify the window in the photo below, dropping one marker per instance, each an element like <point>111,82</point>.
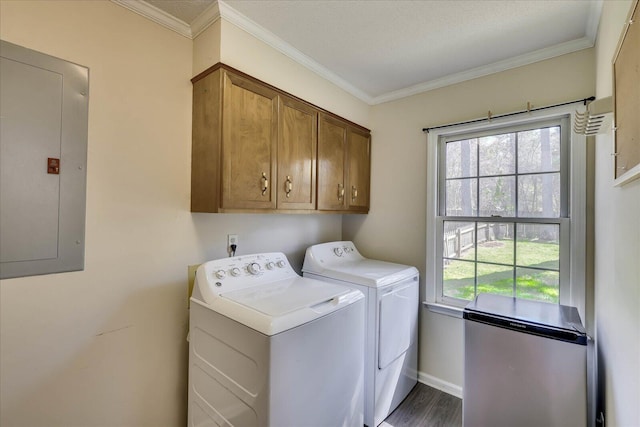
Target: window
<point>499,213</point>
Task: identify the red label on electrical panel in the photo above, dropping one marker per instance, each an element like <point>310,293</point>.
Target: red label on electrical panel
<point>53,166</point>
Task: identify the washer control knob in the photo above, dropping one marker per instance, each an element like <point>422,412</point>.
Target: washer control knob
<point>281,264</point>
<point>338,251</point>
<point>220,274</point>
<point>270,266</point>
<point>254,268</point>
<point>235,272</point>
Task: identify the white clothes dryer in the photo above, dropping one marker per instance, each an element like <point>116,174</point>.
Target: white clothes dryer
<point>391,325</point>
<point>270,348</point>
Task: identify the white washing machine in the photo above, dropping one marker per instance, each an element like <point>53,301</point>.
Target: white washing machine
<point>270,348</point>
<point>391,325</point>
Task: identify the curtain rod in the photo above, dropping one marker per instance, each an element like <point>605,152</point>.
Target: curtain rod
<point>528,110</point>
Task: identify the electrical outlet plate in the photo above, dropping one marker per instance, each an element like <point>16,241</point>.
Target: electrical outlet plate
<point>232,239</point>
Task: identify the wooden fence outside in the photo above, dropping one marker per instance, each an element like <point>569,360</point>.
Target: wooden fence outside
<point>460,239</point>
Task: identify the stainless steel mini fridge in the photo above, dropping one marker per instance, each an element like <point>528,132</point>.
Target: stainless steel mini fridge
<point>524,365</point>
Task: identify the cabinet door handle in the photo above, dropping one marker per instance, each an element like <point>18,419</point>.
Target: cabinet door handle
<point>288,185</point>
<point>354,193</point>
<point>340,192</point>
<point>265,183</point>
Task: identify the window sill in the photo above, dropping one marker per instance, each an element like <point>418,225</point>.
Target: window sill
<point>447,310</point>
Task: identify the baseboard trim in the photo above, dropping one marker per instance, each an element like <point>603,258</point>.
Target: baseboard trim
<point>447,387</point>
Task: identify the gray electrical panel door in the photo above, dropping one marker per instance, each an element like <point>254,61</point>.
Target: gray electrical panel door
<point>43,150</point>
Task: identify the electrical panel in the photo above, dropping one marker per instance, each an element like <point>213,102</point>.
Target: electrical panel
<point>43,162</point>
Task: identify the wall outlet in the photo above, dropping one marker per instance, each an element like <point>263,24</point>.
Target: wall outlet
<point>232,239</point>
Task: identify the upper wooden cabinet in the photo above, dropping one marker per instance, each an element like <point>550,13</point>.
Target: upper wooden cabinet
<point>235,131</point>
<point>343,166</point>
<point>249,144</point>
<point>257,149</point>
<point>332,150</point>
<point>297,145</point>
<point>358,173</point>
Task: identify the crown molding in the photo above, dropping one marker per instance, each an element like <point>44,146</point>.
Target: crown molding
<point>234,17</point>
<point>161,17</point>
<point>220,9</point>
<point>205,19</point>
<point>507,64</point>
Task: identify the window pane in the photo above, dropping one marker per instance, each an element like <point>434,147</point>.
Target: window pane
<point>495,279</point>
<point>502,198</point>
<point>539,195</point>
<point>538,245</point>
<point>539,150</point>
<point>538,285</point>
<point>495,242</point>
<point>458,279</point>
<point>498,196</point>
<point>461,197</point>
<point>459,240</point>
<point>462,158</point>
<point>497,154</point>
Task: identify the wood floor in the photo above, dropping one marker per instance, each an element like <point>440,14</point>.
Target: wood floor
<point>426,406</point>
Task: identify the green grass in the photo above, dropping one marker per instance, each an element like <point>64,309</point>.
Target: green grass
<point>498,279</point>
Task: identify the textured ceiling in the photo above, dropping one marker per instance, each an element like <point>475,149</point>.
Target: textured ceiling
<point>380,47</point>
<point>184,10</point>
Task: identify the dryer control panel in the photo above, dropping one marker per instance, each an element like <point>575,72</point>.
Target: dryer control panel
<point>342,261</point>
<point>343,249</point>
<point>334,253</point>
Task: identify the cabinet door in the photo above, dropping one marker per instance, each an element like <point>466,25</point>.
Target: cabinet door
<point>332,139</point>
<point>297,155</point>
<point>249,144</point>
<point>358,155</point>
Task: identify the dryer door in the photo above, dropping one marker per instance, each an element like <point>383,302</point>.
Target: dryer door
<point>398,320</point>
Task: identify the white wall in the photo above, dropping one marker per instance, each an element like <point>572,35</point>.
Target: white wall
<point>617,254</point>
<point>206,48</point>
<point>106,346</point>
<point>395,227</point>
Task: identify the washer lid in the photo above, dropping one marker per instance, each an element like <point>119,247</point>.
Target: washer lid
<point>275,307</point>
<point>279,298</point>
<point>342,261</point>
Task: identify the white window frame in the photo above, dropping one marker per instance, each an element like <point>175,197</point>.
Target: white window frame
<point>572,287</point>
